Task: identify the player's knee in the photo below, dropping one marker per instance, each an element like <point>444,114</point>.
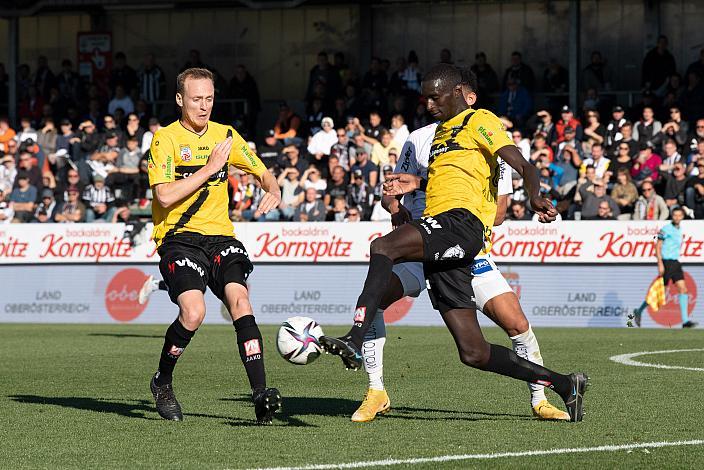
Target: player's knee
<point>379,246</point>
<point>192,316</point>
<point>476,357</point>
<point>517,326</point>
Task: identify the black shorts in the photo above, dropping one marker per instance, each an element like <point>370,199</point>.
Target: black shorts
<point>451,241</point>
<point>192,261</point>
<point>673,271</point>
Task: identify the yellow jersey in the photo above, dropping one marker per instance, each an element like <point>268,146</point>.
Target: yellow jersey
<point>463,170</point>
<point>177,153</point>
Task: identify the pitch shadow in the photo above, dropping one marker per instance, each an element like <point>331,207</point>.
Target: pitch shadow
<point>125,335</point>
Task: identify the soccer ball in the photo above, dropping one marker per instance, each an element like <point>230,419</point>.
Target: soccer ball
<point>297,340</point>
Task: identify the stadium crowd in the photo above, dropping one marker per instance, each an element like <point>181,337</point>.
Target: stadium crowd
<point>79,152</point>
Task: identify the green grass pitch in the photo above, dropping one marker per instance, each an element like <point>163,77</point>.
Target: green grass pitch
<point>78,397</point>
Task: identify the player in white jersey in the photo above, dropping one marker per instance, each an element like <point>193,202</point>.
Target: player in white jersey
<point>494,297</point>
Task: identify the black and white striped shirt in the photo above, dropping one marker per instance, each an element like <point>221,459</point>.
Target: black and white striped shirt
<point>150,84</point>
<point>93,195</point>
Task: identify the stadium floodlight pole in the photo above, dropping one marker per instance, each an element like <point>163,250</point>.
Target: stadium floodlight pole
<point>574,51</point>
<point>13,42</point>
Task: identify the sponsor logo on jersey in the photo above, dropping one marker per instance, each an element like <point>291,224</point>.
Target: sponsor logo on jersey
<point>360,314</point>
<point>186,153</point>
<point>481,266</point>
<point>453,252</point>
<point>252,347</point>
<point>486,134</point>
<point>169,170</point>
<point>187,262</point>
<point>249,156</point>
<point>203,147</point>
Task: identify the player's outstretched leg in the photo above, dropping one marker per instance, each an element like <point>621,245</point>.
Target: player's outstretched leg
<point>376,400</point>
<point>177,337</point>
<point>251,348</point>
<point>476,352</point>
<point>150,286</point>
<point>403,243</point>
<point>505,310</point>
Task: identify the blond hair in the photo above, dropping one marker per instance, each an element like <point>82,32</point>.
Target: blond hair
<point>194,73</point>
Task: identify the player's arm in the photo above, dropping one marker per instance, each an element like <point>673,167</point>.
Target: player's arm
<point>502,203</point>
<point>167,189</point>
<point>511,155</point>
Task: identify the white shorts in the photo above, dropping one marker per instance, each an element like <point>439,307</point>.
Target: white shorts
<point>487,280</point>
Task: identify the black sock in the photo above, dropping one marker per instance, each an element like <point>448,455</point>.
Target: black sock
<point>505,362</point>
<point>378,278</point>
<point>175,341</point>
<point>642,307</point>
<point>162,285</point>
<point>249,342</point>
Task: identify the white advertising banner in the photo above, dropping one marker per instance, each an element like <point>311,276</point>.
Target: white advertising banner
<point>551,295</point>
<point>288,242</point>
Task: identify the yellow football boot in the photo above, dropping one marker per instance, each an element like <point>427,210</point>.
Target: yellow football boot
<point>375,402</point>
<point>544,410</point>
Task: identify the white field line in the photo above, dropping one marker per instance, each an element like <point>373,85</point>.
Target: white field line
<point>498,455</point>
<point>627,359</point>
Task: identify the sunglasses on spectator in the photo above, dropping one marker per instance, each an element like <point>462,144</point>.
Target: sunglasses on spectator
<point>700,127</point>
<point>624,148</point>
<point>647,189</point>
<point>350,214</point>
<point>72,176</point>
<point>341,134</point>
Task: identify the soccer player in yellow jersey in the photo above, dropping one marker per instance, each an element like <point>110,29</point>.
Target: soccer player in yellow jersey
<point>461,192</point>
<point>188,168</point>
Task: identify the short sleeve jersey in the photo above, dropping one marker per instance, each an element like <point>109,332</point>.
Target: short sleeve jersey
<point>177,153</point>
<point>463,170</point>
<point>671,237</point>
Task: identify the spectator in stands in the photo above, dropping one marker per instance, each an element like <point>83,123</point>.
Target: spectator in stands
<point>522,143</point>
<point>44,78</point>
<point>243,197</point>
<point>98,200</point>
<point>122,75</point>
<point>647,128</point>
<point>125,179</point>
<point>521,73</point>
<point>569,160</point>
<point>694,159</point>
<point>693,97</point>
<point>120,101</point>
<point>344,149</point>
<point>625,193</point>
<point>291,157</point>
<point>568,121</point>
<point>359,192</point>
<point>338,212</point>
<point>46,137</point>
<point>555,78</point>
<point>487,80</point>
<point>546,127</point>
<point>323,140</point>
<point>540,149</point>
<point>604,212</point>
<point>650,206</point>
<point>613,128</point>
<point>8,173</point>
<point>270,150</point>
<point>399,130</point>
<point>71,210</point>
<point>353,215</point>
<point>695,197</point>
<point>596,74</point>
<point>244,87</point>
<point>194,61</point>
<point>110,127</point>
<point>411,76</point>
<point>337,187</point>
<point>90,140</point>
<point>23,198</point>
<point>374,83</point>
<point>290,192</point>
<point>369,171</point>
<point>515,102</point>
<point>311,209</point>
<point>26,132</point>
<point>592,195</point>
<point>287,126</point>
<point>324,73</point>
<point>312,179</point>
<point>382,148</point>
<point>149,134</point>
<point>623,159</point>
<point>675,185</point>
<point>597,160</point>
<point>626,137</point>
<point>7,134</point>
<point>697,67</point>
<point>133,129</point>
<point>68,83</point>
<point>152,81</point>
<point>46,209</point>
<point>646,166</point>
<point>66,139</point>
<point>7,214</point>
<point>28,166</point>
<point>518,211</point>
<point>675,128</point>
<point>658,64</point>
<point>671,157</point>
<point>32,105</point>
<point>594,131</point>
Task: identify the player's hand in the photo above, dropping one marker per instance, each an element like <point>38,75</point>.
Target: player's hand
<point>661,269</point>
<point>544,208</point>
<point>400,216</point>
<point>219,156</point>
<point>269,202</point>
<point>398,184</point>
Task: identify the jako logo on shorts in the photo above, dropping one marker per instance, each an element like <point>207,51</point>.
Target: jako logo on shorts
<point>122,293</point>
